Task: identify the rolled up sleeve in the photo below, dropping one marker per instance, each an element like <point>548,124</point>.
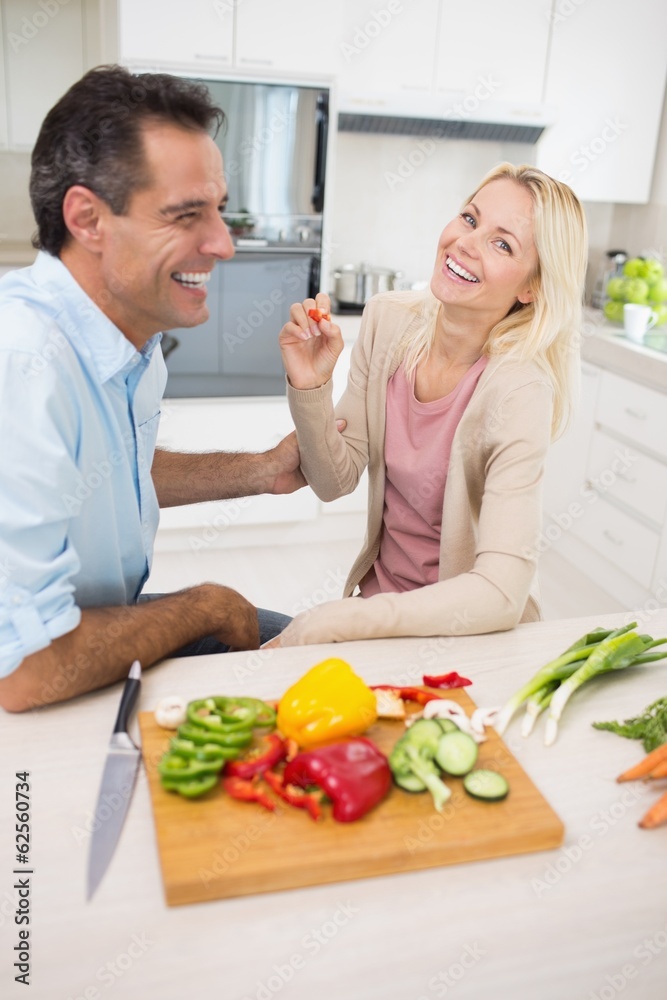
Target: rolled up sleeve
<point>37,564</point>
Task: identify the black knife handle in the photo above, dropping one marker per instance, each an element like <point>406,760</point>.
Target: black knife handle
<point>127,703</point>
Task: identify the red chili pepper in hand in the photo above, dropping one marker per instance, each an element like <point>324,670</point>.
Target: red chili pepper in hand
<point>452,680</point>
<point>318,315</point>
<point>294,796</point>
<point>408,693</point>
<point>271,751</point>
<point>247,791</point>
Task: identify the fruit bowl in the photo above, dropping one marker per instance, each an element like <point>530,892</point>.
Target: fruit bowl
<point>643,282</point>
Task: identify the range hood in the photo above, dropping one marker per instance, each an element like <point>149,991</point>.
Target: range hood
<point>443,116</point>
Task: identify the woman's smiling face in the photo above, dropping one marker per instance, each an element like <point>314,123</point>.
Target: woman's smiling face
<point>486,256</point>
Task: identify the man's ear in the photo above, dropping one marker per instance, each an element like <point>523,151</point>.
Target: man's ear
<point>83,212</point>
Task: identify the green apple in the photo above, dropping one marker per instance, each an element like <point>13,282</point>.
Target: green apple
<point>616,289</point>
<point>613,311</point>
<point>662,315</point>
<point>634,268</point>
<point>653,270</point>
<point>657,290</point>
<point>636,290</point>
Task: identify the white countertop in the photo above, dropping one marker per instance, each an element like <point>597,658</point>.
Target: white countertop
<point>553,925</point>
<point>606,345</point>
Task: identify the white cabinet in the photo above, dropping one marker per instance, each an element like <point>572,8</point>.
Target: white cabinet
<point>231,425</point>
<point>363,44</point>
<point>4,137</point>
<point>606,78</point>
<point>44,53</point>
<point>470,59</point>
<point>172,34</point>
<point>606,491</point>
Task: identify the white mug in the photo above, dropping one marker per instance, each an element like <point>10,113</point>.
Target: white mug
<point>637,320</point>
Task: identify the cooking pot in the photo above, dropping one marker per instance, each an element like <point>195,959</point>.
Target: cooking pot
<point>354,284</point>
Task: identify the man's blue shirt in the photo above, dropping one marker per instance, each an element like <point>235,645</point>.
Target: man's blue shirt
<point>79,412</point>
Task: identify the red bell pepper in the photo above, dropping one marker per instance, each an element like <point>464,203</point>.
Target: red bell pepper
<point>354,774</point>
<point>294,796</point>
<point>452,680</point>
<point>271,751</point>
<point>247,791</point>
<point>408,693</point>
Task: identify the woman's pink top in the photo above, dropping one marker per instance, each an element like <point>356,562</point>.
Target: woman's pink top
<point>418,443</point>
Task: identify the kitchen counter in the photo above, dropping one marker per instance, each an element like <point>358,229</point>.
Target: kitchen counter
<point>606,345</point>
<point>586,920</point>
<point>16,254</point>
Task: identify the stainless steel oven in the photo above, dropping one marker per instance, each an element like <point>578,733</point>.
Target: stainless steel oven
<point>274,149</point>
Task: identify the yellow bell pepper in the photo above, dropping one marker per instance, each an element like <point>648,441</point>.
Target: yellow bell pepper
<point>329,702</point>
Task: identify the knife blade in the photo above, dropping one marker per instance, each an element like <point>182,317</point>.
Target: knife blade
<point>118,780</point>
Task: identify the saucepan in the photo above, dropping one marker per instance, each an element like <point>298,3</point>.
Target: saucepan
<point>354,284</point>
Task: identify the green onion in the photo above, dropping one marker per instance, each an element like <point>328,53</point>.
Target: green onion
<point>536,705</point>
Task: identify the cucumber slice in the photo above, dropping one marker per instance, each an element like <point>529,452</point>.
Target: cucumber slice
<point>487,785</point>
<point>424,733</point>
<point>409,782</point>
<point>456,753</point>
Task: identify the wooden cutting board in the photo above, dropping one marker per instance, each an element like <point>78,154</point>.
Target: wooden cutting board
<point>216,847</point>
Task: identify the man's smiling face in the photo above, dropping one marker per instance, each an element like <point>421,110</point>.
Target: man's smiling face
<point>157,258</point>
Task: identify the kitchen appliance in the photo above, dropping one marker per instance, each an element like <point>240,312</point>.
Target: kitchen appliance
<point>354,284</point>
<point>291,851</point>
<point>274,147</point>
<point>120,773</point>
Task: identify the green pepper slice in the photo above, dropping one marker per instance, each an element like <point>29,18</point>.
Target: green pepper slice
<point>174,767</point>
<point>205,751</point>
<point>200,736</point>
<point>220,714</point>
<point>193,788</point>
<point>265,714</point>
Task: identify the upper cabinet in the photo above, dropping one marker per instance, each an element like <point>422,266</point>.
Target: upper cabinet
<point>198,34</point>
<point>495,49</point>
<point>47,47</point>
<point>606,80</point>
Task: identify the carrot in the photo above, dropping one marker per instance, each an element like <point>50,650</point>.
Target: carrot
<point>645,766</point>
<point>659,772</point>
<point>656,815</point>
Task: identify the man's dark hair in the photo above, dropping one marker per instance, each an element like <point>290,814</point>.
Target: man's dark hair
<point>93,137</point>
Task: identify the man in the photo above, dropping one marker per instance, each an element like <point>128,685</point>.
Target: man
<point>127,188</point>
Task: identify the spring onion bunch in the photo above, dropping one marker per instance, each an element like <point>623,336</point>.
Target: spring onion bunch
<point>597,652</point>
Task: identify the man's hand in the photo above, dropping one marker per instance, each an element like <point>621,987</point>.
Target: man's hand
<point>310,349</point>
<point>283,465</point>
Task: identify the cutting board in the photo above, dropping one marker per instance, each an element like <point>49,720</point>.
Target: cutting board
<point>216,847</point>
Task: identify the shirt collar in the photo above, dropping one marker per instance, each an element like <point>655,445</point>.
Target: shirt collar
<point>91,332</point>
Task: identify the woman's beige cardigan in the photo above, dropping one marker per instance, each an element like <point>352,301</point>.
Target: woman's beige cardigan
<point>491,514</point>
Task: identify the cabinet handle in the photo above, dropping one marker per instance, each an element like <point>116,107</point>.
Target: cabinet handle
<point>612,538</point>
<point>637,414</point>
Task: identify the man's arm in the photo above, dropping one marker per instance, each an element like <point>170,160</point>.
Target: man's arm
<point>183,478</point>
<point>101,648</point>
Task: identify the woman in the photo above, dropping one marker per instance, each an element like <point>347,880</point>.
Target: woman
<point>452,400</point>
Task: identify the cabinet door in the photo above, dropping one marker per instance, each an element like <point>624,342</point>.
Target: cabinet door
<point>369,47</point>
<point>194,35</point>
<point>606,79</point>
<point>3,91</point>
<point>44,52</point>
<point>470,59</point>
<point>566,465</point>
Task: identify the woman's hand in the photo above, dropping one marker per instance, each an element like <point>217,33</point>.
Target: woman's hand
<point>310,349</point>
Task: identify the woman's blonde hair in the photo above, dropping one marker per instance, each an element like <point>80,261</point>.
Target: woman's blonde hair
<point>548,329</point>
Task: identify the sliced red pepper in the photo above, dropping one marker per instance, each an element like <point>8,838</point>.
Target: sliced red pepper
<point>451,680</point>
<point>354,774</point>
<point>247,791</point>
<point>318,315</point>
<point>270,752</point>
<point>408,693</point>
<point>294,796</point>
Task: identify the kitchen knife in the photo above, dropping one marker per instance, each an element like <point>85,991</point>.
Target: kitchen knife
<point>120,773</point>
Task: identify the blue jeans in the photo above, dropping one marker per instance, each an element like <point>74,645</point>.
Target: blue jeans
<point>271,624</point>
